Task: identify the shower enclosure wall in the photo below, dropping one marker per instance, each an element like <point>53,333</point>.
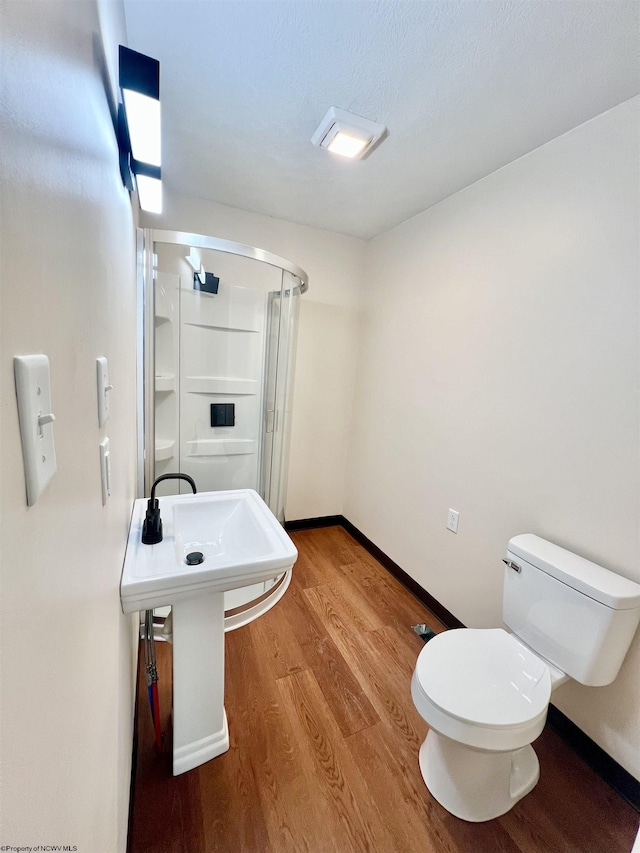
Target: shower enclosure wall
<point>218,375</point>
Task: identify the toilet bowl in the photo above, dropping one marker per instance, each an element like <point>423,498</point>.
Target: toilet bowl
<point>484,695</point>
<point>485,692</point>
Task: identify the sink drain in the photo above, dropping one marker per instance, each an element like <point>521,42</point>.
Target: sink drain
<point>194,558</point>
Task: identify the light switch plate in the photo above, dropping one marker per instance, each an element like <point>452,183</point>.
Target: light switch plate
<point>105,469</point>
<point>104,389</point>
<point>33,391</point>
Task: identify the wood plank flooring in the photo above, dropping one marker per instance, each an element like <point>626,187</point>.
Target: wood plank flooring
<point>325,739</point>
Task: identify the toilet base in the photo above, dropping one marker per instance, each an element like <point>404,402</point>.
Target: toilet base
<point>475,785</point>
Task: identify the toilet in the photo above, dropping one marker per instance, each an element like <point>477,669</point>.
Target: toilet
<point>484,693</point>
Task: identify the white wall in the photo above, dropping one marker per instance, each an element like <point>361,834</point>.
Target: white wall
<point>498,375</point>
<point>327,338</point>
<point>67,278</point>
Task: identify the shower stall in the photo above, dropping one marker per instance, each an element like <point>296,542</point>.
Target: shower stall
<point>217,366</point>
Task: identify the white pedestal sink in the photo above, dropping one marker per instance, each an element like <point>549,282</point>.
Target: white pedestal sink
<point>242,543</point>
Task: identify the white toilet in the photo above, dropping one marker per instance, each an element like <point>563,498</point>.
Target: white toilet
<point>485,692</point>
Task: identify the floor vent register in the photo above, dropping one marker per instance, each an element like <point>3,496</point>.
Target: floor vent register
<point>423,631</point>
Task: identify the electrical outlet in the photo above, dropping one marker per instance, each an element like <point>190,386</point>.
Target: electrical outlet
<point>452,520</point>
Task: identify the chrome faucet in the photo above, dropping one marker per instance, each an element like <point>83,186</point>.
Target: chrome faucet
<point>152,527</point>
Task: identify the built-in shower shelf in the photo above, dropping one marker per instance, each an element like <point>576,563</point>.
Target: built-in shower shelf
<point>161,318</point>
<point>221,447</point>
<point>164,449</point>
<point>220,385</point>
<point>165,382</point>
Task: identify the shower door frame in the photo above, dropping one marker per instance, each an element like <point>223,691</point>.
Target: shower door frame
<point>146,301</point>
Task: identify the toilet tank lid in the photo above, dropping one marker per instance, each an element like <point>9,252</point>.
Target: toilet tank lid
<point>593,580</point>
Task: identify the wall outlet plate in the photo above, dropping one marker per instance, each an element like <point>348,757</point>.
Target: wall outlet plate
<point>33,391</point>
<point>452,520</point>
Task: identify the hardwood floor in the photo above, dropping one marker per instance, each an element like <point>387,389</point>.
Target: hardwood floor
<point>325,739</point>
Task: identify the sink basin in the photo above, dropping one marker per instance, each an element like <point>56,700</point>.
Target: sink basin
<point>233,530</point>
<point>239,537</point>
<point>241,543</point>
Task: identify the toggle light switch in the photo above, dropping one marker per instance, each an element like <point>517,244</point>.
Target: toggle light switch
<point>33,391</point>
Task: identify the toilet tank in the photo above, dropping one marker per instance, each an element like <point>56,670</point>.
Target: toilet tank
<point>574,613</point>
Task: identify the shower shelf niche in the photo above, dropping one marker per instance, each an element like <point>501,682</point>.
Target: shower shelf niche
<point>164,449</point>
<point>165,383</point>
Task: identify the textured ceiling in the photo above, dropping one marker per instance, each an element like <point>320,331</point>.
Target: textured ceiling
<point>464,88</point>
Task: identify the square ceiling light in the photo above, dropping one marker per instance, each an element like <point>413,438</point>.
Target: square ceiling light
<point>347,134</point>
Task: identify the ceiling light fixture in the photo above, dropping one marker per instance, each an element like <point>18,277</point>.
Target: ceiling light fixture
<point>347,134</point>
<point>139,136</point>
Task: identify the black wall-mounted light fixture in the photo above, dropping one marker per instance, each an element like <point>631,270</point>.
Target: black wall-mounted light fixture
<point>139,137</point>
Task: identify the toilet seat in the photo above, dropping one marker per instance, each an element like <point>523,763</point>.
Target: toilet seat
<point>483,688</point>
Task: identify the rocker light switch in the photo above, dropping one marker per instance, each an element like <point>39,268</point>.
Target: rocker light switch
<point>102,372</point>
<point>33,390</point>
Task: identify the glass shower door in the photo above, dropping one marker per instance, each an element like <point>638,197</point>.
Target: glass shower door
<point>281,341</point>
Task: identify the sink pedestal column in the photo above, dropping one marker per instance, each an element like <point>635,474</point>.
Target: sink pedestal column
<point>200,729</point>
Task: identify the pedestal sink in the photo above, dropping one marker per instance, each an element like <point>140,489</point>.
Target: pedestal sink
<point>241,543</point>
